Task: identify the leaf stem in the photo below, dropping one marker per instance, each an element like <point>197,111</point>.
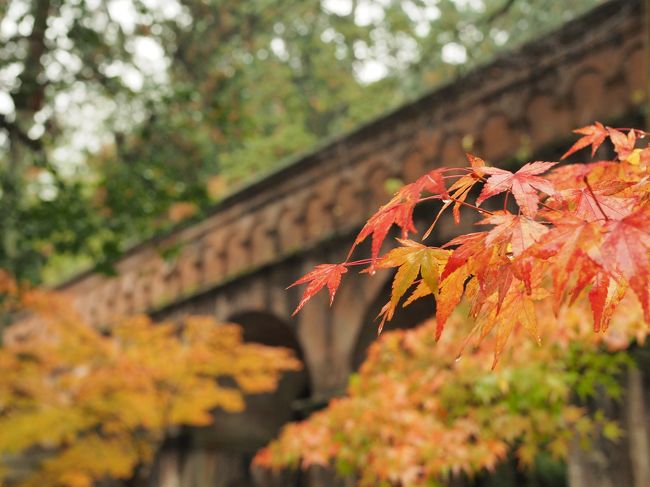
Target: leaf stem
<point>431,227</point>
<point>358,262</point>
<point>473,207</point>
<point>451,198</point>
<point>593,195</point>
<point>465,169</point>
<point>446,205</point>
<point>429,198</point>
<point>546,206</point>
<point>638,131</point>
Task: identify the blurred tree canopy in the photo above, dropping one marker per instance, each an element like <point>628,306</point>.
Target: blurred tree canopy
<point>82,405</point>
<point>119,118</point>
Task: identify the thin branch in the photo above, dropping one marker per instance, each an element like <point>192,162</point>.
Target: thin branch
<point>446,205</point>
<point>451,198</point>
<point>504,9</point>
<point>357,262</point>
<point>435,221</point>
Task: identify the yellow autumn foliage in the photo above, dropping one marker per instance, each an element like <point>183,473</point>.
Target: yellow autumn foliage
<point>78,405</point>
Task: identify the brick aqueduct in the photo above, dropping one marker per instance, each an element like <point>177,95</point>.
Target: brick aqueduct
<point>236,263</point>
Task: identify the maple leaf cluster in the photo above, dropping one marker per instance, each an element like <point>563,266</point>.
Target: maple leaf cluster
<point>416,416</point>
<point>568,230</point>
<point>78,406</point>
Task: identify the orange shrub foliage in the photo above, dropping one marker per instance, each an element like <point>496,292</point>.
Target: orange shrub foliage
<point>78,406</point>
<point>415,414</point>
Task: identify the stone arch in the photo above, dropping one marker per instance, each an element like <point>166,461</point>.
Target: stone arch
<point>291,233</point>
<point>586,86</point>
<point>544,114</point>
<point>239,244</point>
<point>265,413</point>
<point>261,326</point>
<point>221,454</point>
<point>404,318</point>
<point>498,138</point>
<point>375,177</point>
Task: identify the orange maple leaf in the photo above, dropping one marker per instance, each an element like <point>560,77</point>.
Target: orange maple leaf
<point>594,135</point>
<point>323,275</point>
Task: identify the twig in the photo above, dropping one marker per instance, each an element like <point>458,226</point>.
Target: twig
<point>499,12</point>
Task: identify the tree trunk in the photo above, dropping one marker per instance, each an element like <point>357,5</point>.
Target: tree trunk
<point>626,461</point>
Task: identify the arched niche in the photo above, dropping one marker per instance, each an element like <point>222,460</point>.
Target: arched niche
<point>265,414</point>
<point>220,455</point>
<point>404,318</point>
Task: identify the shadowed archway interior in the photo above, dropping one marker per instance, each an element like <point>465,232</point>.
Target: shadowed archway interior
<point>219,455</point>
<point>409,317</point>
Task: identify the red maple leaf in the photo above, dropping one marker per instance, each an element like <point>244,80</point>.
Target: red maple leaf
<point>520,231</point>
<point>597,203</point>
<point>524,185</point>
<point>323,275</point>
<point>568,245</point>
<point>604,296</point>
<point>593,135</point>
<point>624,253</point>
<point>469,245</point>
<point>572,175</point>
<point>399,211</point>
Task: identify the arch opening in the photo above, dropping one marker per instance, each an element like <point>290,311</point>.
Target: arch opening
<point>221,454</point>
<point>404,318</point>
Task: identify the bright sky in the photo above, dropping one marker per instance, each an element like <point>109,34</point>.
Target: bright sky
<point>372,11</point>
